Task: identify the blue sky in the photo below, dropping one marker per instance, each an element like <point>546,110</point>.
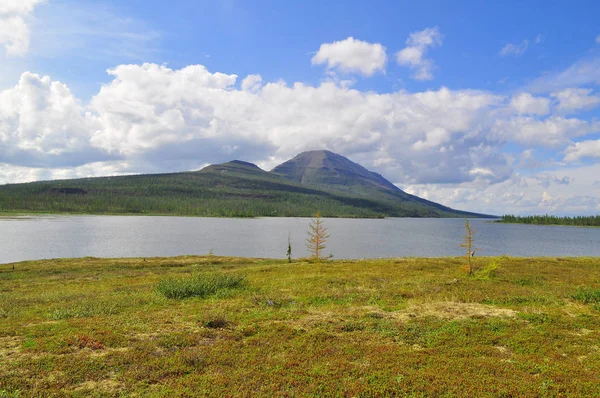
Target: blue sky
<point>484,106</point>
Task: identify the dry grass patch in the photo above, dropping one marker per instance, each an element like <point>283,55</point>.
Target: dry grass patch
<point>454,310</point>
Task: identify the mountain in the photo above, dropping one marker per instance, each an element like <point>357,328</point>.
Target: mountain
<point>331,171</point>
<point>328,169</point>
<point>312,181</point>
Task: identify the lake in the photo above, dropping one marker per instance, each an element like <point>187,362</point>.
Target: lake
<point>41,237</point>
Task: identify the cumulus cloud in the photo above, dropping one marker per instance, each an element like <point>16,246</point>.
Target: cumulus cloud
<point>598,39</point>
<point>552,132</point>
<point>158,119</point>
<point>547,192</point>
<point>43,124</point>
<point>514,49</point>
<point>352,55</point>
<point>151,118</point>
<point>14,27</point>
<point>525,103</point>
<point>584,149</point>
<point>575,99</point>
<point>252,83</point>
<point>413,55</point>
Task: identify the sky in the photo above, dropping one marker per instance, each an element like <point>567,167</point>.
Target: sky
<point>491,107</point>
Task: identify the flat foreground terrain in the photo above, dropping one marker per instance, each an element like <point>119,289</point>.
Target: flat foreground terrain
<point>404,327</point>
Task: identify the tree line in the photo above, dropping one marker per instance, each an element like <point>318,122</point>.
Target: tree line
<point>578,221</point>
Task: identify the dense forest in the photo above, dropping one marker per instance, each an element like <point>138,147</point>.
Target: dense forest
<point>578,221</point>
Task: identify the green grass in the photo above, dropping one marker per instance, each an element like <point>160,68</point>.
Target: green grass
<point>199,285</point>
<point>395,327</point>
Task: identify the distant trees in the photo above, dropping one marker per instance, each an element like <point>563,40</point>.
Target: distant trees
<point>317,236</point>
<point>577,221</point>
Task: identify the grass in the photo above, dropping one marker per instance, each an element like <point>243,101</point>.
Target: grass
<point>199,285</point>
<point>252,327</point>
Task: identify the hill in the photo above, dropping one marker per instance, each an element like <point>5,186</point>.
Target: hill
<point>312,181</point>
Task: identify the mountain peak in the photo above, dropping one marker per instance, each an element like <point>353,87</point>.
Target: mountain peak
<point>235,165</point>
<point>322,167</point>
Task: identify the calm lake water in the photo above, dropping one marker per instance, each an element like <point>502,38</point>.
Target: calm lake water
<point>31,238</point>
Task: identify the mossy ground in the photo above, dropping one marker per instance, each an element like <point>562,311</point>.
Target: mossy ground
<point>400,327</point>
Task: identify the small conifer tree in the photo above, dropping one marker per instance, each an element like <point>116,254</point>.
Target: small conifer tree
<point>317,236</point>
<point>468,245</point>
<point>289,250</point>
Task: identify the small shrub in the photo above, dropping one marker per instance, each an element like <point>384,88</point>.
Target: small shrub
<point>216,323</point>
<point>353,327</point>
<point>487,272</point>
<point>85,341</point>
<point>200,285</point>
<point>587,295</point>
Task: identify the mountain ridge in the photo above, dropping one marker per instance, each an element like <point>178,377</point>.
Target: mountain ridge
<point>311,181</point>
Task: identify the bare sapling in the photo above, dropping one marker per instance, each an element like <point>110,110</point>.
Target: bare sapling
<point>469,246</point>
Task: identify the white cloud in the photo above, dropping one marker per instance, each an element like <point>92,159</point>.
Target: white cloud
<point>552,132</point>
<point>413,55</point>
<point>14,25</point>
<point>525,103</point>
<point>42,124</point>
<point>514,49</point>
<point>352,55</point>
<point>570,192</point>
<point>159,119</point>
<point>11,173</point>
<point>575,99</point>
<point>151,118</point>
<point>584,149</point>
<point>252,83</point>
<point>598,39</point>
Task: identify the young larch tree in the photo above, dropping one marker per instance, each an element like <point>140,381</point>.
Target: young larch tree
<point>317,236</point>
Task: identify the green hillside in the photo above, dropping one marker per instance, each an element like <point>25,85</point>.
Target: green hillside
<point>233,189</point>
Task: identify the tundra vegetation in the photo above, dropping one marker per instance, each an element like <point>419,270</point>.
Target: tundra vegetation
<point>254,327</point>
